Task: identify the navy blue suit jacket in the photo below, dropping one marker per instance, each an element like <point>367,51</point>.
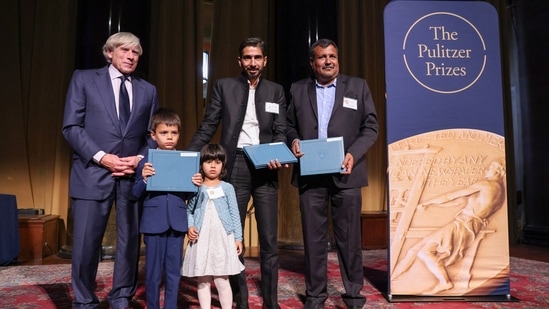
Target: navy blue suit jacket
<point>91,124</point>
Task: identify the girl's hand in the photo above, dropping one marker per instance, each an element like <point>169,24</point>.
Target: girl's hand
<point>238,247</point>
<point>192,234</point>
<point>197,179</point>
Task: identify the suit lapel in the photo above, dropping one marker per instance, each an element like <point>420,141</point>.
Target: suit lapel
<point>312,98</point>
<point>138,91</point>
<point>105,91</point>
<point>261,93</point>
<point>259,103</point>
<point>241,94</point>
<point>340,93</point>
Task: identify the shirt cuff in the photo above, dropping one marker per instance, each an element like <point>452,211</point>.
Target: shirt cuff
<point>98,156</point>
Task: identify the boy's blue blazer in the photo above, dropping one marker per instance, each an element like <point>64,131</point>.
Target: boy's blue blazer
<point>161,210</point>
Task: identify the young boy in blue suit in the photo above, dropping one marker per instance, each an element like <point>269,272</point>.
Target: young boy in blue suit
<point>164,218</point>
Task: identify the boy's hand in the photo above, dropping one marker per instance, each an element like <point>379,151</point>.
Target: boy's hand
<point>148,170</point>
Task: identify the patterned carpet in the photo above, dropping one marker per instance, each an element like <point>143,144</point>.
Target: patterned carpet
<point>49,286</point>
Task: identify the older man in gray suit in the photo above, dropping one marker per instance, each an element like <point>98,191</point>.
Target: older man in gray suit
<point>106,121</point>
<point>332,105</point>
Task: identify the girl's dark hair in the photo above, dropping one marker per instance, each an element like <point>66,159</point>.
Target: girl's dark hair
<point>213,152</point>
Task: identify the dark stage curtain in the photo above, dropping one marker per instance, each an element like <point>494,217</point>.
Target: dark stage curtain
<point>39,56</point>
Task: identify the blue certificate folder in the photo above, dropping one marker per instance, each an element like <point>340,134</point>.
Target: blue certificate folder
<point>321,156</point>
<point>173,170</point>
<point>261,154</point>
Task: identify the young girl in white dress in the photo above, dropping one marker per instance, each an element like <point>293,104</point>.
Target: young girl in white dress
<point>215,232</point>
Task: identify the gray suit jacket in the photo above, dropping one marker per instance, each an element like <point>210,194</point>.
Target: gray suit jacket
<point>90,124</point>
<point>358,126</point>
<point>228,104</point>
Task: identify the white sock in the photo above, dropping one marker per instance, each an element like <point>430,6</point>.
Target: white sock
<point>204,292</point>
<point>225,293</point>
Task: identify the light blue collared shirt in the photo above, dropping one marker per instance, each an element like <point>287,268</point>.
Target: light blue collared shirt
<point>325,97</point>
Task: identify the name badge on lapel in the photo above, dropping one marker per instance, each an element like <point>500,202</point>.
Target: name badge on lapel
<point>271,107</point>
<point>350,103</point>
<point>215,193</point>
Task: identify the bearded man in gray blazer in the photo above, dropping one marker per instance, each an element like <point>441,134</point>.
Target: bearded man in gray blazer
<point>106,121</point>
<point>252,111</point>
<point>332,105</point>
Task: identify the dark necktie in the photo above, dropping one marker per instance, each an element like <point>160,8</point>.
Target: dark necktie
<point>123,104</point>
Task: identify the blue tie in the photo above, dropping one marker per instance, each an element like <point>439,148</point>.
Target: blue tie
<point>123,104</point>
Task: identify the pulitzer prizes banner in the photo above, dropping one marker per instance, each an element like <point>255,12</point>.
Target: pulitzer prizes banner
<point>446,148</point>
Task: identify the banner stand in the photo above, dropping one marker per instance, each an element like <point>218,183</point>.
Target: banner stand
<point>447,185</point>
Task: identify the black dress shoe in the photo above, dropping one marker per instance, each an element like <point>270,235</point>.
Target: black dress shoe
<point>313,305</point>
